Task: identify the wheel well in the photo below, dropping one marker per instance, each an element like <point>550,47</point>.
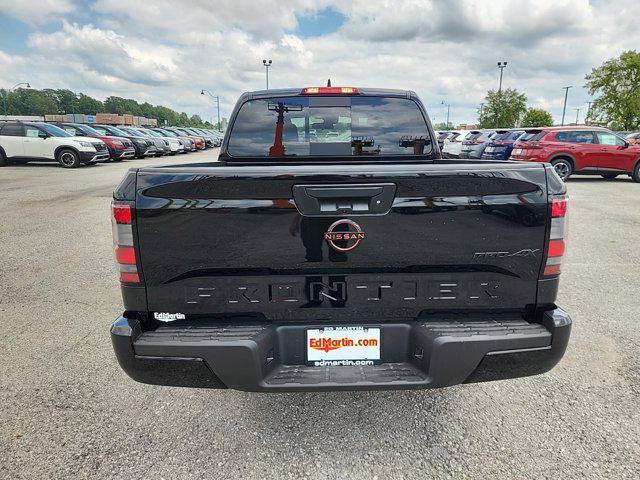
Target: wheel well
<point>65,147</point>
<point>565,157</point>
<point>3,152</point>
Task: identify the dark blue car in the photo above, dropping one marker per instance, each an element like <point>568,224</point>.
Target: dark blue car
<point>501,144</point>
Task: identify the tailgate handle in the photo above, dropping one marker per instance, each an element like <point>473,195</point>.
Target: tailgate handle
<point>364,199</point>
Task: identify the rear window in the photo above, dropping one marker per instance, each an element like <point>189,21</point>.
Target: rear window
<point>473,135</point>
<point>533,136</point>
<point>329,126</point>
<point>488,135</point>
<point>507,136</point>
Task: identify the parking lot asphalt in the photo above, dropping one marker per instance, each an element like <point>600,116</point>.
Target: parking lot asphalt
<point>68,411</point>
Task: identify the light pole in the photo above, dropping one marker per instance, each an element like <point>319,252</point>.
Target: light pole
<point>7,92</point>
<point>267,64</point>
<point>577,113</point>
<point>564,109</point>
<point>480,114</point>
<point>448,107</point>
<point>501,66</point>
<point>207,92</point>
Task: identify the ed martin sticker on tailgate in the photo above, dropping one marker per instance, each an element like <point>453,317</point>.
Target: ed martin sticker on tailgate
<point>343,346</point>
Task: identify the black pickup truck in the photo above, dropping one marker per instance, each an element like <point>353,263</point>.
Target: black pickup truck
<point>332,248</point>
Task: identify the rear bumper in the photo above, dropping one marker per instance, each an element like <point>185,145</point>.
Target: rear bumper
<point>428,353</point>
<point>495,156</point>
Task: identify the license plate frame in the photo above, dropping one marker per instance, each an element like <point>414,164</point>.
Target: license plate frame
<point>343,346</point>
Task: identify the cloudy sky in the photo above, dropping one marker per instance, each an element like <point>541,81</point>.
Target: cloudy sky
<point>165,51</point>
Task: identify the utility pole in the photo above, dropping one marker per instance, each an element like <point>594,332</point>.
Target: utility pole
<point>577,113</point>
<point>564,109</point>
<point>217,98</point>
<point>586,120</point>
<point>448,107</point>
<point>501,66</point>
<point>267,64</point>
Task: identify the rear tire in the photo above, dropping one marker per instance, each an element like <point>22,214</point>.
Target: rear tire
<point>3,160</point>
<point>563,168</point>
<point>636,173</point>
<point>68,158</point>
<point>609,176</point>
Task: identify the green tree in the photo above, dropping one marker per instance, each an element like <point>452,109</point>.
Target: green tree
<point>182,120</point>
<point>195,121</point>
<point>502,110</point>
<point>442,126</point>
<point>67,101</point>
<point>536,117</point>
<point>114,105</point>
<point>148,110</point>
<point>88,105</point>
<point>26,101</point>
<point>617,82</point>
<point>43,102</point>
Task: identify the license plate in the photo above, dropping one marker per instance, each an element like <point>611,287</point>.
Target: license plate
<point>517,151</point>
<point>491,149</point>
<point>343,346</point>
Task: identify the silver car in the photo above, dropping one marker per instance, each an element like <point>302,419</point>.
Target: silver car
<point>475,142</point>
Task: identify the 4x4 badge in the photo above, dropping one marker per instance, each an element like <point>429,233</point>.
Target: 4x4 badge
<point>347,238</point>
<point>525,252</point>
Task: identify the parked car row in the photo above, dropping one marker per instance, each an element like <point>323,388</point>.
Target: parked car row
<point>74,144</point>
<point>572,150</point>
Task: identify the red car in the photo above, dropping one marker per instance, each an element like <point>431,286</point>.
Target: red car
<point>580,150</point>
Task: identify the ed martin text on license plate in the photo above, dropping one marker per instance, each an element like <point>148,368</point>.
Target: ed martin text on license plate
<point>343,346</point>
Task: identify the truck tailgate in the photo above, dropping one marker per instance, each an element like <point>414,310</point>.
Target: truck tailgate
<point>221,240</point>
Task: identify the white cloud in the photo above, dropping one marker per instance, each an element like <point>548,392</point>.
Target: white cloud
<point>36,12</point>
<point>107,53</point>
<point>165,52</point>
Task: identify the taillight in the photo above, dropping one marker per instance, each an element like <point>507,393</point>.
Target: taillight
<point>121,222</point>
<point>329,91</point>
<point>557,245</point>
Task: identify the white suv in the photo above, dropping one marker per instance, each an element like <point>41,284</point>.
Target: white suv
<point>21,142</point>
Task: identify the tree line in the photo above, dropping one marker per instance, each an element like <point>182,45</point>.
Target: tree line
<point>28,101</point>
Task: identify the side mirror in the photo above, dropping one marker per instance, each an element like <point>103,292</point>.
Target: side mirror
<point>43,134</point>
